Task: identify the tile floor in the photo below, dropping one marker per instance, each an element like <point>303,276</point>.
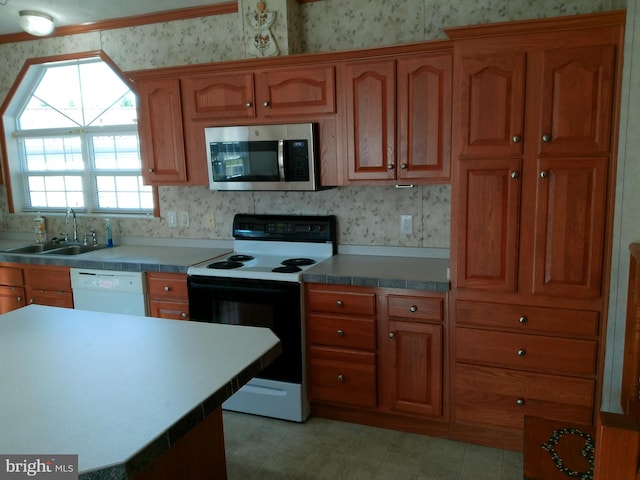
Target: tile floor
<point>268,449</point>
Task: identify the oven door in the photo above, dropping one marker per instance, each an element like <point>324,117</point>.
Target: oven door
<point>258,303</point>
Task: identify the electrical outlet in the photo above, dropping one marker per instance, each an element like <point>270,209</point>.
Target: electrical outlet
<point>184,219</point>
<point>211,219</point>
<point>172,219</point>
<point>406,224</point>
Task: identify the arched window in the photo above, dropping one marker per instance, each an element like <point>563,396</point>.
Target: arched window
<point>72,140</point>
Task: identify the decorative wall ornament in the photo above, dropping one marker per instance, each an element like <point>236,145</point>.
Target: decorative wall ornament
<point>263,43</point>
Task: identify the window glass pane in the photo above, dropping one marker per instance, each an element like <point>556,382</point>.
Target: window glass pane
<point>60,91</point>
<point>39,114</point>
<point>117,152</point>
<point>125,191</point>
<point>55,191</point>
<point>53,153</point>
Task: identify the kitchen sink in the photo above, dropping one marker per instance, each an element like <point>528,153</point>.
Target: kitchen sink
<point>53,249</point>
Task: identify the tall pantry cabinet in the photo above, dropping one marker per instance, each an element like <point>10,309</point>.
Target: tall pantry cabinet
<point>534,143</point>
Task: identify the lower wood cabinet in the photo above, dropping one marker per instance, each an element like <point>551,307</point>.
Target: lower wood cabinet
<point>168,297</point>
<point>12,293</point>
<point>376,351</point>
<point>48,285</point>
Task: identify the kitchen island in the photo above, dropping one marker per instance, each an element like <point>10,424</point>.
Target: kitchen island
<point>129,395</point>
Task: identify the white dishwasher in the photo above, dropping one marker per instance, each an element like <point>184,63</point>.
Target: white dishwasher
<point>109,291</point>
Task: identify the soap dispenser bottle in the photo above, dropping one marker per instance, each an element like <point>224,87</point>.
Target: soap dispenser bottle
<point>39,229</point>
<point>108,234</point>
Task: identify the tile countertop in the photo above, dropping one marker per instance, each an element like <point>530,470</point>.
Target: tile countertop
<point>383,271</point>
<point>116,389</point>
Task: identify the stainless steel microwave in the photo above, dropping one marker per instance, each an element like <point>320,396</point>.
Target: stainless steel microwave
<point>262,157</point>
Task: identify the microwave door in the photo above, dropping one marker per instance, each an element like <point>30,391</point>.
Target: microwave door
<point>281,159</point>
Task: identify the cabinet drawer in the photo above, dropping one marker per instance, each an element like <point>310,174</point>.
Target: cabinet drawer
<point>335,301</point>
<point>170,310</point>
<point>342,376</point>
<point>11,276</point>
<point>532,352</point>
<point>528,319</point>
<point>503,397</point>
<point>167,285</point>
<point>347,332</point>
<point>415,308</point>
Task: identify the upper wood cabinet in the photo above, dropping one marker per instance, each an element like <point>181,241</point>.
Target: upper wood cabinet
<point>160,126</point>
<point>398,119</point>
<point>264,93</point>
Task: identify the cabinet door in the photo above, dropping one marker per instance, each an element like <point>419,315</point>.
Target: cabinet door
<point>11,298</point>
<point>491,104</point>
<point>415,368</point>
<point>52,298</point>
<point>297,91</point>
<point>488,200</point>
<point>577,100</point>
<point>218,96</point>
<point>424,116</point>
<point>161,136</point>
<point>370,110</point>
<point>569,231</point>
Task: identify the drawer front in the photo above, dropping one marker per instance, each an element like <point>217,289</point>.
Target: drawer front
<point>167,285</point>
<point>11,298</point>
<point>335,301</point>
<point>11,276</point>
<point>169,310</point>
<point>415,308</point>
<point>338,331</point>
<point>532,352</point>
<point>503,397</point>
<point>528,319</point>
<point>342,376</point>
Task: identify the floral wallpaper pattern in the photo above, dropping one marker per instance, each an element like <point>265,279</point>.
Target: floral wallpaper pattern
<point>367,215</point>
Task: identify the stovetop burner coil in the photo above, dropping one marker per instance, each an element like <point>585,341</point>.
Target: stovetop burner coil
<point>287,269</point>
<point>298,261</point>
<point>225,265</point>
<point>240,258</point>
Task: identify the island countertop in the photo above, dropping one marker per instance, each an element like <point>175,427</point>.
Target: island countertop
<point>115,389</point>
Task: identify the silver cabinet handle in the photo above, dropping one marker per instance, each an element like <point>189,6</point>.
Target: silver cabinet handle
<point>522,353</point>
<point>546,138</point>
<point>340,377</point>
<point>183,315</point>
<point>413,308</point>
<point>339,303</point>
<point>266,103</point>
<point>520,402</point>
<point>340,333</point>
<point>390,166</point>
<point>516,138</point>
<point>392,335</point>
<point>248,104</point>
<point>403,166</point>
<point>543,174</point>
<point>166,289</point>
<point>151,170</point>
<point>522,319</point>
<point>514,175</point>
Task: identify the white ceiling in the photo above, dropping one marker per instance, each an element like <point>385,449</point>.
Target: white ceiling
<point>77,12</point>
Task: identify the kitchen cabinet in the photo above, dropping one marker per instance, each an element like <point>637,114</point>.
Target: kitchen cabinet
<point>376,351</point>
<point>48,285</point>
<point>532,192</point>
<point>398,115</point>
<point>168,297</point>
<point>12,294</point>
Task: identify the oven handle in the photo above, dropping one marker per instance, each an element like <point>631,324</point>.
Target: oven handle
<point>234,289</point>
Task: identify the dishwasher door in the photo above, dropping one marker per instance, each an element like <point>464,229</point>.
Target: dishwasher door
<point>109,291</point>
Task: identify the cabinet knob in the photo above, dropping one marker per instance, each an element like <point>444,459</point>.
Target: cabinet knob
<point>543,174</point>
<point>183,315</point>
<point>248,104</point>
<point>516,138</point>
<point>340,377</point>
<point>392,335</point>
<point>31,300</point>
<point>390,166</point>
<point>340,333</point>
<point>522,319</point>
<point>19,299</point>
<point>266,103</point>
<point>522,353</point>
<point>403,166</point>
<point>546,138</point>
<point>167,288</point>
<point>151,170</point>
<point>339,303</point>
<point>520,402</point>
<point>413,308</point>
<point>514,175</point>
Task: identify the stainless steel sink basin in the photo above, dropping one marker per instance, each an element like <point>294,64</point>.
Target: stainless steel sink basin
<point>51,249</point>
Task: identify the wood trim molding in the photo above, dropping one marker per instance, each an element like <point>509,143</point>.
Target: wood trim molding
<point>133,21</point>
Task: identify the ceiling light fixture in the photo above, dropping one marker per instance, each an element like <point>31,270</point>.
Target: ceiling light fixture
<point>36,23</point>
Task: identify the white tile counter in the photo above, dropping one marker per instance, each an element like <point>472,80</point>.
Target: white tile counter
<point>115,388</point>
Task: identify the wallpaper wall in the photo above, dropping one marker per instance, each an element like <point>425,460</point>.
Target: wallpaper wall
<point>366,215</point>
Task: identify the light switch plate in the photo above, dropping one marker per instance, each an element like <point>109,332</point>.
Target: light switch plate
<point>172,219</point>
<point>184,219</point>
<point>406,224</point>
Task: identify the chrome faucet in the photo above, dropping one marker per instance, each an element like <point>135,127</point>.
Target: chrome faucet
<point>71,211</point>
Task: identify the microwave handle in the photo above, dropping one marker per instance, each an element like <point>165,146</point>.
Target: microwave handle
<point>281,159</point>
